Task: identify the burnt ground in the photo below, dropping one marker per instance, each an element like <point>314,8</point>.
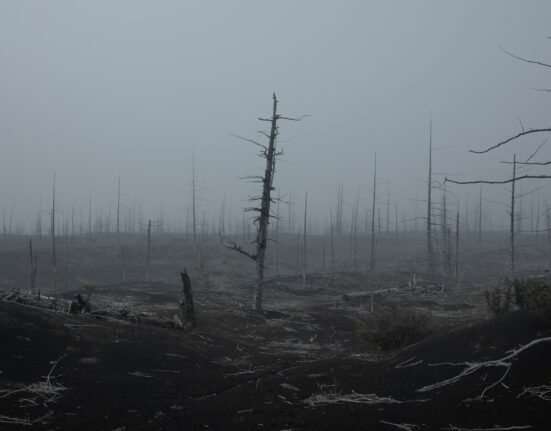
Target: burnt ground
<point>281,370</point>
<point>306,363</point>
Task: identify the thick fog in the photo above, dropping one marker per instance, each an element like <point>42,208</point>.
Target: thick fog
<point>95,89</point>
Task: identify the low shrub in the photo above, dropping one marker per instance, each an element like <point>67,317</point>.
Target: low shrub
<point>395,327</point>
<point>499,299</point>
<point>534,294</point>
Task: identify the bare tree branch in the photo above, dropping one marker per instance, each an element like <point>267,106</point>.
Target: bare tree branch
<point>510,180</point>
<point>293,118</point>
<point>232,245</point>
<point>280,117</point>
<point>528,163</point>
<point>512,138</point>
<point>252,141</point>
<point>539,63</point>
<point>537,151</point>
<point>521,124</point>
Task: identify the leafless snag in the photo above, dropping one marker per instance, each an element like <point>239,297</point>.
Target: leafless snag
<point>186,311</point>
<point>430,249</point>
<point>270,153</point>
<point>373,207</point>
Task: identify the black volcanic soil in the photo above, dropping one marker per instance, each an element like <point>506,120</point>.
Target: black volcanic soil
<point>282,370</point>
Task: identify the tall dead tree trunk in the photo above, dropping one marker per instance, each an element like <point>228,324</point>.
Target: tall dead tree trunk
<point>457,245</point>
<point>264,217</point>
<point>148,251</point>
<point>354,230</point>
<point>277,235</point>
<point>54,256</point>
<point>340,202</point>
<point>388,210</point>
<point>480,216</point>
<point>332,233</point>
<point>118,207</point>
<point>39,220</point>
<point>430,250</point>
<point>193,204</point>
<point>304,250</point>
<point>512,217</point>
<point>373,205</point>
<point>269,153</point>
<point>90,213</point>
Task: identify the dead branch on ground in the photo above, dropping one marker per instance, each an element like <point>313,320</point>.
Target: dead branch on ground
<point>353,398</point>
<point>473,367</point>
<point>542,391</point>
<point>405,427</point>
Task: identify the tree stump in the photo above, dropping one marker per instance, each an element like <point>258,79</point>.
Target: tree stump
<point>186,312</point>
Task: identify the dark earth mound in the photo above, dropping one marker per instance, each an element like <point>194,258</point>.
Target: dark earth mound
<point>77,372</point>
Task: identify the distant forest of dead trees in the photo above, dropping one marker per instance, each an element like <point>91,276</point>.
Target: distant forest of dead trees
<point>437,212</point>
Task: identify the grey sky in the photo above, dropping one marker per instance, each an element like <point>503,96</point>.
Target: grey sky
<point>89,88</point>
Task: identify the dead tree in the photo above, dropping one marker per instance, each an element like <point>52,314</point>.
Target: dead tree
<point>332,233</point>
<point>52,230</point>
<point>514,179</point>
<point>194,204</point>
<point>480,216</point>
<point>354,230</point>
<point>90,213</point>
<point>512,218</point>
<point>457,245</point>
<point>430,250</point>
<point>32,267</point>
<point>277,235</point>
<point>118,207</point>
<point>269,153</point>
<point>39,220</point>
<point>186,310</point>
<point>373,207</point>
<point>340,203</point>
<point>148,251</point>
<point>304,249</point>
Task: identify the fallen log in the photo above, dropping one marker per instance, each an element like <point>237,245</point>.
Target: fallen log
<point>85,309</point>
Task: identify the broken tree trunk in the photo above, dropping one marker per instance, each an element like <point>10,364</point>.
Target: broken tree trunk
<point>186,312</point>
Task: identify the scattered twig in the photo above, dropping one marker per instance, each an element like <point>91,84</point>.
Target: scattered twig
<point>473,367</point>
<point>408,363</point>
<point>353,398</point>
<point>405,427</point>
<point>25,421</point>
<point>140,374</point>
<point>542,391</point>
